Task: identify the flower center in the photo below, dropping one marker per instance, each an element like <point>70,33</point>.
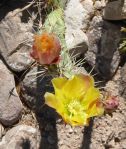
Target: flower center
<point>47,43</point>
<point>74,107</point>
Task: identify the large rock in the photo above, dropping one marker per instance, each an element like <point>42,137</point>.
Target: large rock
<point>103,51</point>
<point>94,35</point>
<point>10,104</point>
<point>115,10</point>
<point>15,41</point>
<point>88,10</point>
<point>77,16</point>
<point>77,41</point>
<point>20,137</point>
<point>108,57</point>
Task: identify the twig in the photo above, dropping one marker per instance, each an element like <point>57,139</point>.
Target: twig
<point>24,8</point>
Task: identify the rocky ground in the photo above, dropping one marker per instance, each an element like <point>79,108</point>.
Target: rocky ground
<point>93,27</point>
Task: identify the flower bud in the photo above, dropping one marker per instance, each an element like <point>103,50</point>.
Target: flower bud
<point>111,103</point>
<point>46,48</point>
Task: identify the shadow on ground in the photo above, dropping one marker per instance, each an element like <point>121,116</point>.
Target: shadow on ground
<point>87,136</point>
<point>47,127</point>
<point>46,116</point>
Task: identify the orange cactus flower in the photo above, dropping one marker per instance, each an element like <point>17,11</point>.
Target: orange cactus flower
<point>46,48</point>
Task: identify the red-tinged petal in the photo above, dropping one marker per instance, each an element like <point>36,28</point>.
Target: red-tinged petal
<point>34,53</point>
<point>95,109</point>
<point>56,60</point>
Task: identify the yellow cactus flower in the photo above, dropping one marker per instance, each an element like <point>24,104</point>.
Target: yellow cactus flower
<point>75,99</point>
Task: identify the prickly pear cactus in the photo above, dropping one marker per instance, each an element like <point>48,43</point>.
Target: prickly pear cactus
<point>54,23</point>
<point>122,46</point>
<point>57,3</point>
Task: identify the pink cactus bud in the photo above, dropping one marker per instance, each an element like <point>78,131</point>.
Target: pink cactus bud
<point>111,103</point>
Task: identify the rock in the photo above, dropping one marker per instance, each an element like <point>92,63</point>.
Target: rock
<point>78,14</point>
<point>77,41</point>
<point>108,57</point>
<point>19,137</point>
<point>77,17</point>
<point>99,4</point>
<point>10,104</point>
<point>103,3</point>
<point>123,144</point>
<point>94,35</point>
<point>1,131</point>
<point>15,41</point>
<point>33,89</point>
<point>70,130</point>
<point>88,12</point>
<point>122,135</point>
<point>122,88</point>
<point>103,51</point>
<point>115,10</point>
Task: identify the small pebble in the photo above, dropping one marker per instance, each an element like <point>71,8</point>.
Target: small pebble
<point>122,135</point>
<point>98,5</point>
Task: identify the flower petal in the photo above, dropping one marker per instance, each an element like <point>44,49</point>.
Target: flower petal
<point>76,120</point>
<point>95,109</point>
<point>91,95</point>
<point>79,120</point>
<point>50,100</point>
<point>77,86</point>
<point>53,102</point>
<point>59,82</point>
